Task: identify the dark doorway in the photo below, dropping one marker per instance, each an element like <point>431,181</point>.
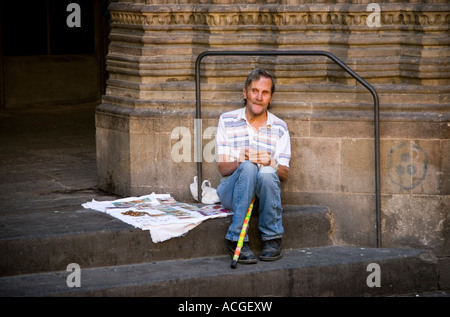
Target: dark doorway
<point>53,51</point>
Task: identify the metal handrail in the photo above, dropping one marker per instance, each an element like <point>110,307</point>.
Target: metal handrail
<point>197,123</point>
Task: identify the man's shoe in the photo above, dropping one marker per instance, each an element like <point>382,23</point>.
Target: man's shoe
<point>271,250</point>
<point>246,256</point>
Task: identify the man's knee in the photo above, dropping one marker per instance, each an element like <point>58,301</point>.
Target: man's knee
<point>248,167</point>
<point>267,175</point>
<point>267,170</point>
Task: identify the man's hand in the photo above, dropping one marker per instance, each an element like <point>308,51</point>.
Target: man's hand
<point>227,167</point>
<point>259,157</point>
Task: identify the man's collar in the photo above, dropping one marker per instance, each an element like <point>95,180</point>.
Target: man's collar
<point>242,116</point>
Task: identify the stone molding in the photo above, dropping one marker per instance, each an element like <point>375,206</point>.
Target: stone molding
<point>274,16</point>
<point>153,49</point>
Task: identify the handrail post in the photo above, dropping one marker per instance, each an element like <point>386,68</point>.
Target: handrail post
<point>198,136</point>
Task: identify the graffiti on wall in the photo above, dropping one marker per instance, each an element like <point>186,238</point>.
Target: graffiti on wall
<point>407,165</point>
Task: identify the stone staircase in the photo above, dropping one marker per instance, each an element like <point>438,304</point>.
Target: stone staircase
<point>117,260</point>
<point>406,59</point>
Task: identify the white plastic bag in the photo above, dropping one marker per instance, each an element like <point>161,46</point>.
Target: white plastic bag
<point>209,194</point>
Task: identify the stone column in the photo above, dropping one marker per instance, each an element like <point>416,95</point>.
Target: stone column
<point>145,122</point>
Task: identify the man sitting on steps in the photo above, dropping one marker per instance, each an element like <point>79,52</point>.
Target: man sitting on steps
<point>253,147</point>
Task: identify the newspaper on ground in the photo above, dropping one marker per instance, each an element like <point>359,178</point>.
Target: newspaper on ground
<point>161,214</point>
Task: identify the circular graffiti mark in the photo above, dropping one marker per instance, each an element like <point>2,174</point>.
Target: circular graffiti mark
<point>407,166</point>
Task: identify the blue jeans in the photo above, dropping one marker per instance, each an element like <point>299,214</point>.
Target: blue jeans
<point>236,193</point>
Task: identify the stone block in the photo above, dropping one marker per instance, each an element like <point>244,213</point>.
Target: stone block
<point>414,129</point>
<point>113,161</point>
<point>314,165</point>
<point>298,128</point>
<point>354,215</point>
<point>412,167</point>
<point>112,121</point>
<point>427,214</point>
<point>357,162</point>
<point>426,167</point>
<point>444,273</point>
<point>342,129</point>
<point>445,166</point>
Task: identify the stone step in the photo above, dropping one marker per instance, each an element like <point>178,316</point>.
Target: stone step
<point>49,241</point>
<point>319,271</point>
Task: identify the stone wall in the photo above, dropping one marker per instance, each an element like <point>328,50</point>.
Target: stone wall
<point>145,132</point>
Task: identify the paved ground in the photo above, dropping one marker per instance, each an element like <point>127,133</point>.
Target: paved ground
<point>47,159</point>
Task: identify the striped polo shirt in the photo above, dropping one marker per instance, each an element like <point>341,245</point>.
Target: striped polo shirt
<point>235,133</point>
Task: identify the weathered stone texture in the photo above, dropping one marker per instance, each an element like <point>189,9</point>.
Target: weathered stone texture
<point>151,92</point>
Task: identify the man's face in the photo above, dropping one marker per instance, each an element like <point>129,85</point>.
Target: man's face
<point>258,95</point>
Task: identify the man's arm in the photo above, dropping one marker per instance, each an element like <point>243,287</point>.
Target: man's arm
<point>227,168</point>
<point>283,172</point>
